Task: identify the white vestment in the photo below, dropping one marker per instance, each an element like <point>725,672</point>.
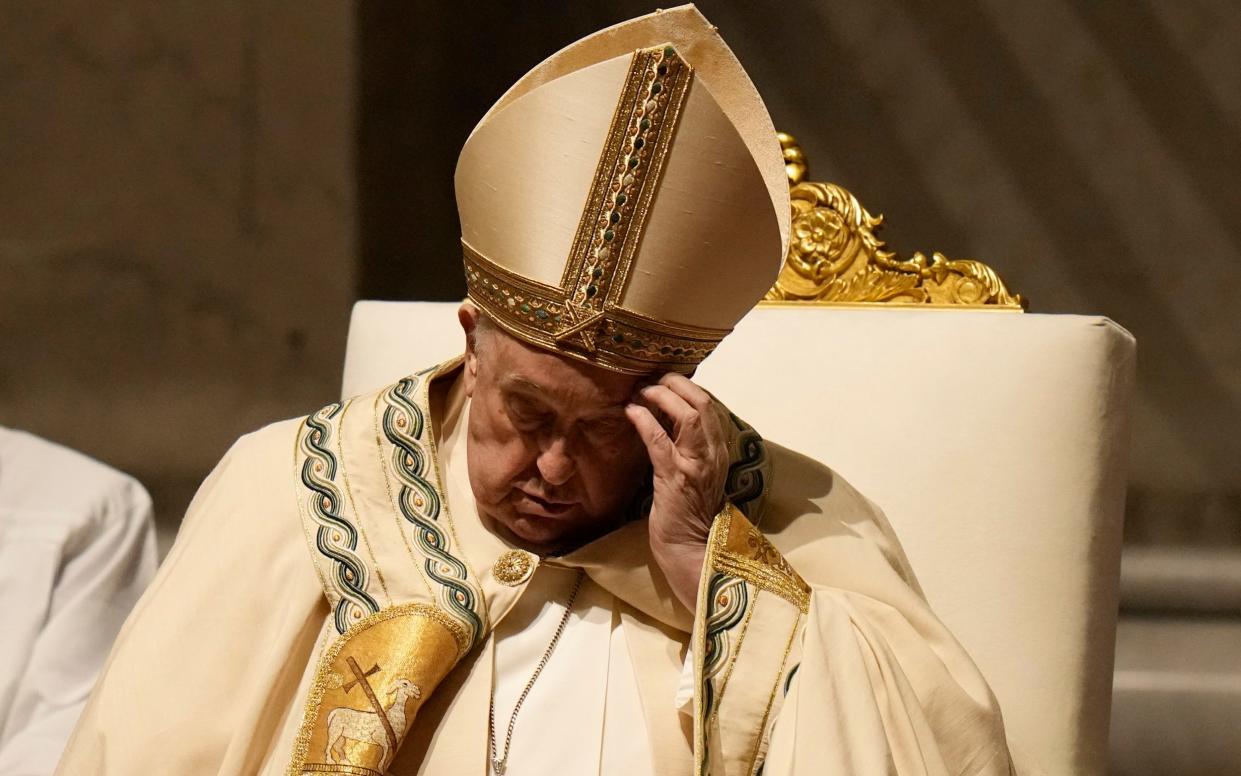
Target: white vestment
<point>812,649</point>
<point>77,548</point>
<point>563,725</point>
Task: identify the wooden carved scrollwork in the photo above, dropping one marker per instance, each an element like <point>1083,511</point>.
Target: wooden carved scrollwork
<point>835,257</point>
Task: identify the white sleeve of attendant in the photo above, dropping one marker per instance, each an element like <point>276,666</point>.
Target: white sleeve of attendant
<point>107,560</point>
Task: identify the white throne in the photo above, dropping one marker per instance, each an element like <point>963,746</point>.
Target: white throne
<point>995,441</point>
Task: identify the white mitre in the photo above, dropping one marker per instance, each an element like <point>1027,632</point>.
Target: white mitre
<point>626,202</point>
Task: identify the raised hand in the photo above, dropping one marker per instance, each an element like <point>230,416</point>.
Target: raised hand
<point>689,462</point>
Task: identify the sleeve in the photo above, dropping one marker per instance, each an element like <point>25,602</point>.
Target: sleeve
<point>873,694</point>
<point>106,563</point>
<point>211,656</point>
<point>797,678</point>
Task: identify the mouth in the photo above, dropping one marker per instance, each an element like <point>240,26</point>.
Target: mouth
<point>530,504</point>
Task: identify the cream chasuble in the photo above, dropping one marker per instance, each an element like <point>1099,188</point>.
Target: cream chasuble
<point>333,604</point>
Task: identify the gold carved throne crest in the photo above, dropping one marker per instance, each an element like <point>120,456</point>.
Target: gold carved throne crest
<point>835,256</point>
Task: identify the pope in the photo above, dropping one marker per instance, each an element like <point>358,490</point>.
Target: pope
<point>556,552</point>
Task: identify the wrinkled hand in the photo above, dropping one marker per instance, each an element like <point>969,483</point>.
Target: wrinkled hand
<point>689,462</point>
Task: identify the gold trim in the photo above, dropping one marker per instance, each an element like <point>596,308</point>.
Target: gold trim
<point>676,82</point>
<point>764,578</point>
<point>764,735</point>
<point>835,256</point>
<point>623,340</point>
<point>740,550</point>
<point>801,304</point>
<point>698,650</point>
<point>626,180</point>
<point>341,770</point>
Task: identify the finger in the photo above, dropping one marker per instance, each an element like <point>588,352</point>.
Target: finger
<point>685,419</point>
<point>659,446</point>
<point>713,417</point>
<point>687,389</point>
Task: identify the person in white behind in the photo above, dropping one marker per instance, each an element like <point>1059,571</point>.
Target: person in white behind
<point>77,549</point>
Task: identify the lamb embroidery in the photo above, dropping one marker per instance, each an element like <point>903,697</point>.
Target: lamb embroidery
<point>347,727</point>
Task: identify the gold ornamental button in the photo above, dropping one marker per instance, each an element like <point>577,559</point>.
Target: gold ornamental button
<point>514,567</point>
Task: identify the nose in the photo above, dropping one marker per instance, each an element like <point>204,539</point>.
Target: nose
<point>555,465</point>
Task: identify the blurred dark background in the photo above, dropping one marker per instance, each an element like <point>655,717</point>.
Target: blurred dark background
<point>192,195</point>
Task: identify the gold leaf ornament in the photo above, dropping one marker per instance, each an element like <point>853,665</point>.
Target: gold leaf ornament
<point>835,256</point>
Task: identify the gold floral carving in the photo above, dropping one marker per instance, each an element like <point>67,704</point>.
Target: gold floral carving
<point>835,256</point>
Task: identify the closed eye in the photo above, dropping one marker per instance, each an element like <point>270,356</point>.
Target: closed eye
<point>604,428</point>
<point>526,413</point>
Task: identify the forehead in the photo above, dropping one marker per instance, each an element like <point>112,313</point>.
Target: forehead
<point>516,366</point>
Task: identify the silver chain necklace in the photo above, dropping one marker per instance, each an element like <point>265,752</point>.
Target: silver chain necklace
<point>500,763</point>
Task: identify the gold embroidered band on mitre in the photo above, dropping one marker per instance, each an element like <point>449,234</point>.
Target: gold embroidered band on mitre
<point>583,317</point>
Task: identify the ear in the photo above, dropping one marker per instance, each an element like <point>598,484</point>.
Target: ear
<point>468,315</point>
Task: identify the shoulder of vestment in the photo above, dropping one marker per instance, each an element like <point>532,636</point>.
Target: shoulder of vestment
<point>812,515</point>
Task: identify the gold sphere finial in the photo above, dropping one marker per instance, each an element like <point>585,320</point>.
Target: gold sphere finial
<point>794,159</point>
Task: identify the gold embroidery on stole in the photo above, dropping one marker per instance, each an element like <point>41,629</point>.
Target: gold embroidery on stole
<point>368,687</point>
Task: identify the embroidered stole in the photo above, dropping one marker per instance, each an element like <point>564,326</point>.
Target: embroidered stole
<point>406,605</point>
<point>371,498</point>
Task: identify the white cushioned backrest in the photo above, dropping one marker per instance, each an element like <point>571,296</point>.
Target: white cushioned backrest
<point>388,340</point>
<point>995,442</point>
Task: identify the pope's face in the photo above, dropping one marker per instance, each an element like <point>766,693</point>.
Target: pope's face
<point>553,460</point>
